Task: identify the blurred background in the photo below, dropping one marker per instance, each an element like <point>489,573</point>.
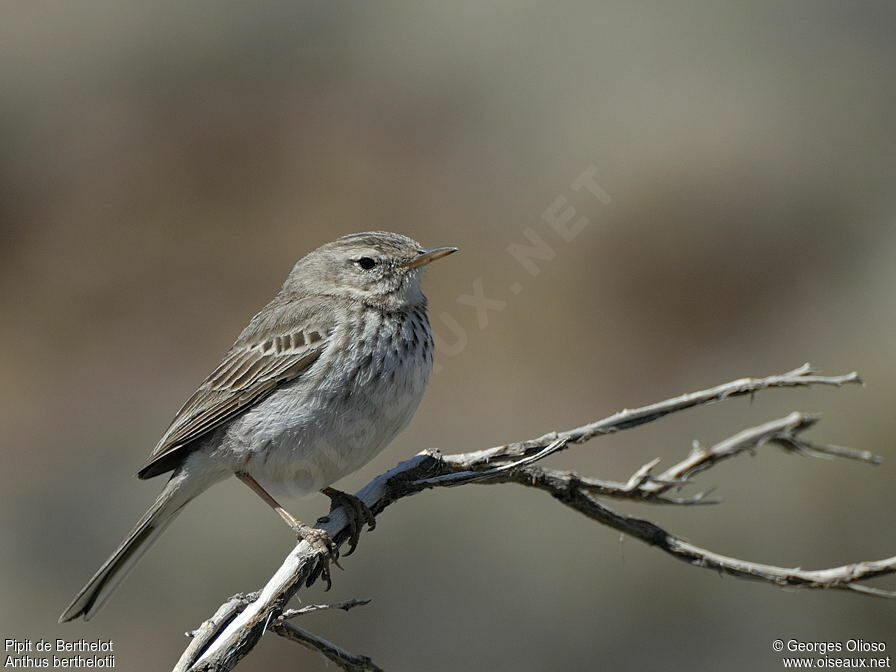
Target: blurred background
<point>163,165</point>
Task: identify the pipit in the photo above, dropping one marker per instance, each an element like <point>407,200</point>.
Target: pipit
<point>318,383</point>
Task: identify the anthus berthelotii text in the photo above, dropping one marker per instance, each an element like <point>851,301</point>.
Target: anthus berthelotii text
<point>318,383</point>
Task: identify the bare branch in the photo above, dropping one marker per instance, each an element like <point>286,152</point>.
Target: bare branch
<point>345,606</point>
<point>473,476</point>
<point>210,628</point>
<point>350,662</point>
<point>234,634</point>
<point>633,489</point>
<point>628,418</point>
<point>836,578</point>
<point>785,432</point>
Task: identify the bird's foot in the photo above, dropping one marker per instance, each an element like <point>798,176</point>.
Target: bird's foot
<point>357,512</point>
<point>327,552</point>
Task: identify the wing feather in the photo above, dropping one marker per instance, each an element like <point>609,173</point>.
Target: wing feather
<point>261,360</point>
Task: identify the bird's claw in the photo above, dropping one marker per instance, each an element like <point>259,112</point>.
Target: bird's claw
<point>327,552</point>
<point>357,512</point>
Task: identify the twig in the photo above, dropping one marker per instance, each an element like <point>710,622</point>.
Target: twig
<point>491,473</point>
<point>345,606</point>
<point>345,660</point>
<point>210,628</point>
<point>836,578</point>
<point>644,486</point>
<point>628,418</point>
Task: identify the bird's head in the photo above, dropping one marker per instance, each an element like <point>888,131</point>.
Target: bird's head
<point>376,267</point>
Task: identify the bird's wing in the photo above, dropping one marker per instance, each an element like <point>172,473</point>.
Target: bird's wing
<point>278,346</point>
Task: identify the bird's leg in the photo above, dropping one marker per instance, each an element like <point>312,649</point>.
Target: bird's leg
<point>356,511</point>
<point>317,538</point>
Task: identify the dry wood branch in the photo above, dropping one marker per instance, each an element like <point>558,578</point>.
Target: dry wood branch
<point>311,608</point>
<point>835,578</point>
<point>230,636</point>
<point>803,376</point>
<point>207,631</point>
<point>645,487</point>
<point>351,662</point>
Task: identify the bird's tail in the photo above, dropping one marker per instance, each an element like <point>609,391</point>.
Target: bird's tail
<point>165,509</point>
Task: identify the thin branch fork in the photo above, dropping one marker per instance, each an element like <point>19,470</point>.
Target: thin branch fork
<point>344,659</point>
<point>240,622</point>
<point>643,486</point>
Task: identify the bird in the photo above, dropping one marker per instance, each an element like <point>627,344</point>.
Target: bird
<point>316,385</point>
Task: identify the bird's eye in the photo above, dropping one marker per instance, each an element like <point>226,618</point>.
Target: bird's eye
<point>366,263</point>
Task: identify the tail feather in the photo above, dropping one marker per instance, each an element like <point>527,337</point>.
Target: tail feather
<point>113,571</point>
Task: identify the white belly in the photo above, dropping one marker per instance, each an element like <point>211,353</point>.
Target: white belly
<point>320,428</point>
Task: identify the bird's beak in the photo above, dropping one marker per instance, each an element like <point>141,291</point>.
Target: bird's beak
<point>428,256</point>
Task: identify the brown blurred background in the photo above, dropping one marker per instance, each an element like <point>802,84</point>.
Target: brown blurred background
<point>162,165</point>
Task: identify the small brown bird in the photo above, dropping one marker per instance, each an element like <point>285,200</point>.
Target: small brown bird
<point>318,383</point>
